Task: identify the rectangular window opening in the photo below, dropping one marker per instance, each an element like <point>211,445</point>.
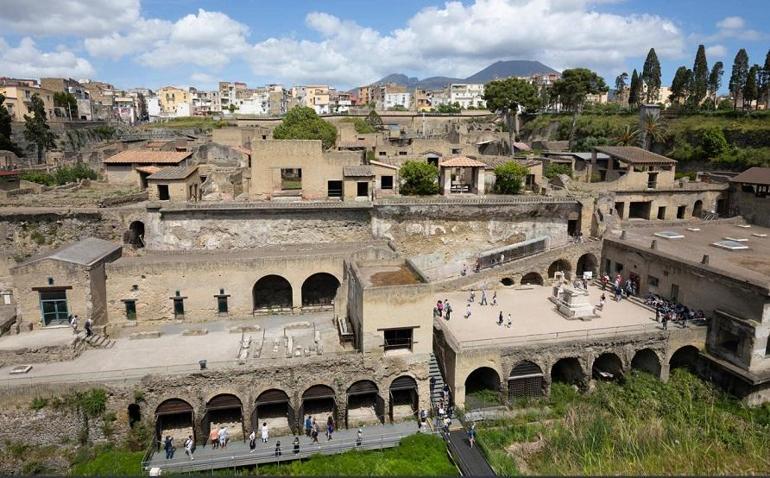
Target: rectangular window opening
<point>163,192</point>
<point>652,281</point>
<point>53,307</point>
<point>362,189</point>
<point>398,339</point>
<point>291,179</point>
<point>130,309</point>
<point>680,212</point>
<point>222,304</point>
<point>178,308</point>
<point>334,189</point>
<point>386,182</point>
<point>662,212</point>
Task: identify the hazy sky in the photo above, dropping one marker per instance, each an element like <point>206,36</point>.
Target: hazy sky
<point>346,43</point>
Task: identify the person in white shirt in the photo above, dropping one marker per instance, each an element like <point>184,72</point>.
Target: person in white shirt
<point>264,432</point>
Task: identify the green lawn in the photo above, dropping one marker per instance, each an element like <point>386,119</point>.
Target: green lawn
<point>417,455</point>
<point>640,428</point>
<point>110,463</point>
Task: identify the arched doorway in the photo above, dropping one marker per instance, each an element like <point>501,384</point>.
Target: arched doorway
<point>365,405</point>
<point>482,388</point>
<point>404,399</point>
<point>568,370</point>
<point>646,360</point>
<point>224,410</point>
<point>685,357</point>
<point>272,292</point>
<point>506,281</point>
<point>607,367</point>
<point>319,290</point>
<point>532,278</point>
<point>319,401</point>
<point>175,418</point>
<point>134,414</point>
<point>274,408</point>
<point>560,265</point>
<point>697,209</point>
<point>525,380</point>
<point>587,263</point>
<point>136,234</point>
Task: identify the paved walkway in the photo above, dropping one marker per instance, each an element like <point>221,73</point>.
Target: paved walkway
<point>237,453</point>
<point>470,460</point>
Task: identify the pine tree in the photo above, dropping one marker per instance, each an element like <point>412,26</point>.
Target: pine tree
<point>700,74</point>
<point>739,75</point>
<point>36,129</point>
<point>715,80</point>
<point>750,91</point>
<point>621,87</point>
<point>651,75</point>
<point>634,89</point>
<point>680,85</point>
<point>764,92</point>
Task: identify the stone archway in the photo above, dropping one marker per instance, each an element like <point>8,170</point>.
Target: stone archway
<point>272,292</point>
<point>685,357</point>
<point>697,209</point>
<point>364,404</point>
<point>274,408</point>
<point>319,289</point>
<point>404,398</point>
<point>507,281</point>
<point>560,265</point>
<point>646,360</point>
<point>569,371</point>
<point>482,388</point>
<point>607,367</point>
<point>526,380</point>
<point>175,418</point>
<point>587,263</point>
<point>135,235</point>
<point>532,278</point>
<point>224,410</point>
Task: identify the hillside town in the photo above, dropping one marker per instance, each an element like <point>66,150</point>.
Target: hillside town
<point>454,276</point>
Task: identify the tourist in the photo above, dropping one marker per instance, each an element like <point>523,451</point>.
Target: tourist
<point>500,318</point>
<point>168,445</point>
<point>214,437</point>
<point>441,411</point>
<point>605,281</point>
<point>494,298</point>
<point>74,323</point>
<point>329,428</point>
<point>278,448</point>
<point>618,293</point>
<point>468,311</point>
<point>308,425</point>
<point>445,391</point>
<point>88,326</point>
<point>224,437</point>
<point>447,424</point>
<point>510,322</point>
<point>448,309</point>
<point>296,445</point>
<point>472,435</point>
<point>189,447</point>
<point>483,297</point>
<point>464,270</point>
<point>472,297</point>
<point>359,437</point>
<point>665,321</point>
<point>315,431</point>
<point>602,299</point>
<point>423,416</point>
<point>252,441</point>
<point>264,432</point>
<point>440,307</point>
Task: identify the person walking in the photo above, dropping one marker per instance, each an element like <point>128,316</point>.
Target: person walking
<point>264,432</point>
<point>483,297</point>
<point>224,437</point>
<point>665,321</point>
<point>472,435</point>
<point>468,311</point>
<point>329,428</point>
<point>296,445</point>
<point>440,307</point>
<point>500,318</point>
<point>472,297</point>
<point>278,448</point>
<point>448,310</point>
<point>510,322</point>
<point>74,324</point>
<point>359,437</point>
<point>168,445</point>
<point>308,425</point>
<point>189,447</point>
<point>315,431</point>
<point>214,437</point>
<point>252,441</point>
<point>494,298</point>
<point>89,327</point>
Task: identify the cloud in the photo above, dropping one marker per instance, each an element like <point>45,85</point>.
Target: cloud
<point>735,27</point>
<point>27,61</point>
<point>458,39</point>
<point>68,17</point>
<point>144,34</point>
<point>716,51</point>
<point>731,23</point>
<point>203,80</point>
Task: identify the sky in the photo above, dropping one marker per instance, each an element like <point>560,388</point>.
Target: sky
<point>347,43</point>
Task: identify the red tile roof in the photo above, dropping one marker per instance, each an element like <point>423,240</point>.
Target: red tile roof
<point>141,156</point>
<point>755,175</point>
<point>461,162</point>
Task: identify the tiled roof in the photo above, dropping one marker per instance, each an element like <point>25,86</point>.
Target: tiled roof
<point>141,156</point>
<point>175,172</point>
<point>84,252</point>
<point>361,171</point>
<point>634,155</point>
<point>7,172</point>
<point>755,175</point>
<point>148,169</point>
<point>462,162</point>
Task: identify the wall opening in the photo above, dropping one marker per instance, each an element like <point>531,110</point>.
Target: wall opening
<point>685,357</point>
<point>364,406</point>
<point>482,388</point>
<point>135,235</point>
<point>319,402</point>
<point>319,290</point>
<point>680,212</point>
<point>507,281</point>
<point>272,292</point>
<point>532,278</point>
<point>274,408</point>
<point>662,212</point>
<point>620,208</point>
<point>134,414</point>
<point>607,367</point>
<point>404,399</point>
<point>646,360</point>
<point>222,411</point>
<point>639,209</point>
<point>588,263</point>
<point>362,189</point>
<point>560,265</point>
<point>697,209</point>
<point>174,418</point>
<point>569,371</point>
<point>728,341</point>
<point>291,179</point>
<point>163,194</point>
<point>334,189</point>
<point>526,380</point>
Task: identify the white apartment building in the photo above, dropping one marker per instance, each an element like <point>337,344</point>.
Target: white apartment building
<point>256,104</point>
<point>204,102</point>
<point>392,100</point>
<point>153,107</point>
<point>468,95</point>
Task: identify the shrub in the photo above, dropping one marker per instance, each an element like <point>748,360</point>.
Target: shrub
<point>509,177</point>
<point>303,123</point>
<point>713,142</point>
<point>555,169</point>
<point>93,402</point>
<point>38,403</point>
<point>419,178</point>
<point>61,175</point>
<point>363,127</point>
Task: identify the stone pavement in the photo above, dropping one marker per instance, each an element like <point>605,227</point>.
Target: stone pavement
<point>237,453</point>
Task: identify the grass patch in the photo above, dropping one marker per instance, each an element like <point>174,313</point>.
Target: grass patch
<point>417,455</point>
<point>644,427</point>
<point>109,462</point>
<point>189,122</point>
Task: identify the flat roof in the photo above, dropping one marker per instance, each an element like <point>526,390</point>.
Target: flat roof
<point>751,264</point>
<point>634,155</point>
<point>85,252</point>
<point>143,156</point>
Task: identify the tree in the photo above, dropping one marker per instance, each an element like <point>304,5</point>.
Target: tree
<point>652,131</point>
<point>713,142</point>
<point>302,122</point>
<point>449,108</point>
<point>627,137</point>
<point>739,76</point>
<point>764,81</point>
<point>36,129</point>
<point>573,88</point>
<point>620,86</point>
<point>509,177</point>
<point>418,178</point>
<point>680,85</point>
<point>507,98</point>
<point>700,75</point>
<point>374,120</point>
<point>651,76</point>
<point>5,128</point>
<point>715,80</point>
<point>68,102</point>
<point>635,89</point>
<point>362,126</point>
<point>750,89</point>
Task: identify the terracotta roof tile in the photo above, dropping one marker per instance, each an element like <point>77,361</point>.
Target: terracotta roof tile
<point>634,155</point>
<point>755,175</point>
<point>141,156</point>
<point>462,162</point>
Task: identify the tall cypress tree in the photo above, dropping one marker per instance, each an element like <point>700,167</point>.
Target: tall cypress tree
<point>750,90</point>
<point>739,75</point>
<point>700,75</point>
<point>5,128</point>
<point>634,89</point>
<point>764,93</point>
<point>715,80</point>
<point>36,129</point>
<point>680,85</point>
<point>651,75</point>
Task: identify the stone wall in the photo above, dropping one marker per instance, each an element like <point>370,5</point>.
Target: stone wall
<point>753,208</point>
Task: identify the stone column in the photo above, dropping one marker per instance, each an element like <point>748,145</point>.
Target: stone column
<point>296,298</point>
<point>480,181</point>
<point>445,177</point>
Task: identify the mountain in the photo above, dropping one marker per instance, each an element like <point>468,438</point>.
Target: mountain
<point>499,69</point>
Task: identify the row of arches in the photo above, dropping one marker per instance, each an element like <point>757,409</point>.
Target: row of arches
<point>275,291</point>
<point>364,405</point>
<point>527,379</point>
<point>585,263</point>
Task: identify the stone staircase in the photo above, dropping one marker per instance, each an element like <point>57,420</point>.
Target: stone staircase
<point>97,341</point>
<point>434,372</point>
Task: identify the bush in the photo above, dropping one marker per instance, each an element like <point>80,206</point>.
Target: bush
<point>61,175</point>
<point>38,403</point>
<point>556,169</point>
<point>509,177</point>
<point>363,127</point>
<point>713,142</point>
<point>419,178</point>
<point>303,123</point>
<point>93,402</point>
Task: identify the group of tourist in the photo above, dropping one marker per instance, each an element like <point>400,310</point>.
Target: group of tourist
<point>667,311</point>
<point>312,429</point>
<point>619,286</point>
<point>88,326</point>
<point>444,310</point>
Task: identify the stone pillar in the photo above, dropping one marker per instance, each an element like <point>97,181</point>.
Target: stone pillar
<point>445,178</point>
<point>480,181</point>
<point>665,371</point>
<point>459,396</point>
<point>296,298</point>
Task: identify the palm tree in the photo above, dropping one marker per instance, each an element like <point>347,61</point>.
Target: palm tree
<point>652,131</point>
<point>627,137</point>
